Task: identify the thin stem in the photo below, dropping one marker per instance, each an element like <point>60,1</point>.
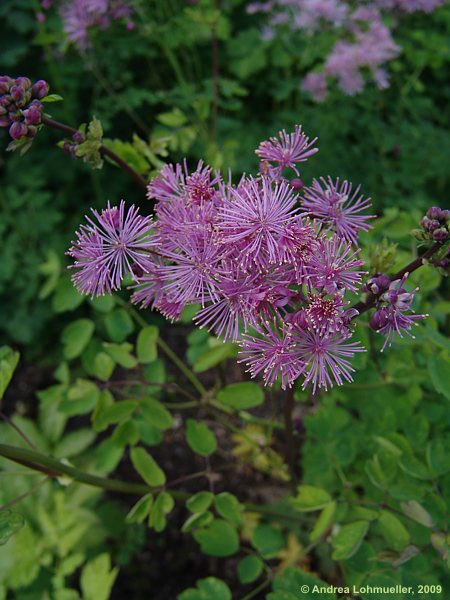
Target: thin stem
<point>103,150</point>
<point>169,352</point>
<point>182,367</point>
<point>289,432</point>
<point>258,589</point>
<point>415,264</point>
<point>33,489</point>
<point>17,430</point>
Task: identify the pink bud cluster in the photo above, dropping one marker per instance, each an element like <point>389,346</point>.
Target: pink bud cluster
<point>267,266</point>
<point>20,106</point>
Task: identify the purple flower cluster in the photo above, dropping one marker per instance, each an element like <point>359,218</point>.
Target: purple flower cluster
<point>20,106</point>
<point>394,312</point>
<point>268,267</point>
<point>365,44</point>
<point>79,17</point>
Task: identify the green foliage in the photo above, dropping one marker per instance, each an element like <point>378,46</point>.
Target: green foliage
<point>372,507</point>
<point>200,438</point>
<point>241,395</point>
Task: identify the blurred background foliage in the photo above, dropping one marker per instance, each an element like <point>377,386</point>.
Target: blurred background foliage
<point>153,90</point>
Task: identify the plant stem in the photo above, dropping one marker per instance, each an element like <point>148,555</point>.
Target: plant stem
<point>183,368</point>
<point>33,489</point>
<point>103,150</point>
<point>371,299</point>
<point>289,404</point>
<point>168,352</point>
<point>54,468</point>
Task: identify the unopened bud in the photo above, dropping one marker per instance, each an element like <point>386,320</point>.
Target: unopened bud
<point>434,213</point>
<point>379,319</point>
<point>18,130</point>
<point>40,89</point>
<point>23,82</point>
<point>17,93</point>
<point>296,184</point>
<point>32,115</point>
<point>78,137</point>
<point>440,234</point>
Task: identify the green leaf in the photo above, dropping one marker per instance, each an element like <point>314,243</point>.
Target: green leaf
<point>241,396</point>
<point>140,510</point>
<point>103,366</point>
<point>414,467</point>
<point>210,588</point>
<point>74,443</point>
<point>197,520</point>
<point>214,356</point>
<point>81,398</point>
<point>175,118</point>
<point>291,580</point>
<point>126,433</point>
<point>104,304</point>
<point>310,498</point>
<point>119,325</point>
<point>393,531</point>
<point>163,505</point>
<point>76,337</point>
<point>113,413</point>
<point>66,296</point>
<point>156,413</point>
<point>323,522</point>
<point>200,438</point>
<point>268,540</point>
<point>199,502</point>
<point>147,468</point>
<point>8,363</point>
<point>52,98</point>
<point>229,507</point>
<point>10,523</point>
<point>438,456</point>
<point>249,569</point>
<point>219,538</point>
<point>121,354</point>
<point>416,511</point>
<point>97,578</point>
<point>348,539</point>
<point>146,345</point>
<point>439,370</point>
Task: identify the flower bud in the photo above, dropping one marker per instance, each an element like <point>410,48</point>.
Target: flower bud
<point>296,184</point>
<point>138,271</point>
<point>17,93</point>
<point>5,122</point>
<point>5,100</point>
<point>78,137</point>
<point>46,4</point>
<point>379,319</point>
<point>434,213</point>
<point>32,115</point>
<point>40,89</point>
<point>445,215</point>
<point>440,235</point>
<point>24,83</point>
<point>5,84</point>
<point>18,130</point>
